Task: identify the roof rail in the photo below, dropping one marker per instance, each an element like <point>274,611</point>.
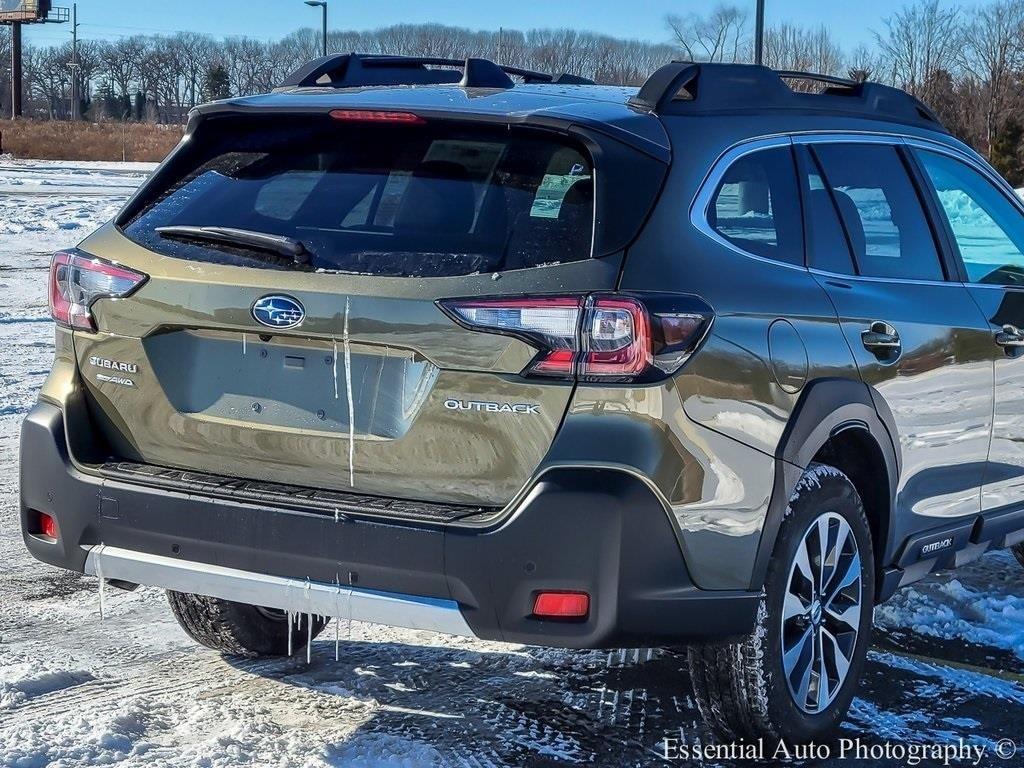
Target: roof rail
<point>352,70</point>
<point>691,88</point>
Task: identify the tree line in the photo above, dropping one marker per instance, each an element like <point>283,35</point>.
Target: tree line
<point>966,63</point>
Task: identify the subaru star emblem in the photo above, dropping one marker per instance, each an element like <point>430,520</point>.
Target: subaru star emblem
<point>278,312</point>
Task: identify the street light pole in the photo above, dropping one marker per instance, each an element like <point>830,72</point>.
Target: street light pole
<point>74,62</point>
<point>759,34</point>
<point>322,4</point>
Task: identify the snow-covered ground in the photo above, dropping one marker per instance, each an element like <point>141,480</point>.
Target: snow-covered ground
<point>948,660</point>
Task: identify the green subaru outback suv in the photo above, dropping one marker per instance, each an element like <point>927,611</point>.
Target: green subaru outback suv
<point>717,362</point>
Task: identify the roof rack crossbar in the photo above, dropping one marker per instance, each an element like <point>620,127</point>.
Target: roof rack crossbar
<point>347,70</point>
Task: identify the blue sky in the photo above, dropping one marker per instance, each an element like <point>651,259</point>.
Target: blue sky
<point>850,22</point>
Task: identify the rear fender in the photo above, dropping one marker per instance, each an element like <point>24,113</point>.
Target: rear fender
<point>826,408</point>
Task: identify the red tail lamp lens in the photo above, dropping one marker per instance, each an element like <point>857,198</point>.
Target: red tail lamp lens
<point>617,335</point>
<point>561,605</point>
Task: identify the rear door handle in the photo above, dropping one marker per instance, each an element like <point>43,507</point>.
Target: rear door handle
<point>881,339</point>
<point>1010,336</point>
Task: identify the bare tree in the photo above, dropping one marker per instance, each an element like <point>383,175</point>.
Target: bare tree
<point>722,36</point>
<point>993,52</point>
<point>920,40</point>
<point>808,50</point>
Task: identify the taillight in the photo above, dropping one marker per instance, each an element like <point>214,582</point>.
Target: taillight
<point>616,338</point>
<point>551,323</point>
<point>77,280</point>
<point>602,337</point>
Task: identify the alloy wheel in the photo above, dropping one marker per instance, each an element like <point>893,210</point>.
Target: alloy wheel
<point>821,613</point>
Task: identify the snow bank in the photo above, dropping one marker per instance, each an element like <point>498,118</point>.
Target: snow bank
<point>985,614</point>
<point>47,206</point>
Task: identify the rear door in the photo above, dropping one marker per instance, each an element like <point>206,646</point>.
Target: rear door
<point>987,226</point>
<point>918,337</point>
<point>337,368</point>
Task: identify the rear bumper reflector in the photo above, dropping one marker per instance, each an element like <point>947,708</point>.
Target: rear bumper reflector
<point>296,595</point>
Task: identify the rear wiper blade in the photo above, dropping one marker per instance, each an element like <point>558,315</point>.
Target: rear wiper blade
<point>287,247</point>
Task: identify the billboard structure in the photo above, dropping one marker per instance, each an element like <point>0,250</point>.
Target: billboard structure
<point>24,11</point>
<point>15,13</point>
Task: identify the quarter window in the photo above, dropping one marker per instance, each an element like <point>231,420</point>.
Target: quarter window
<point>987,227</point>
<point>756,206</point>
<point>884,220</point>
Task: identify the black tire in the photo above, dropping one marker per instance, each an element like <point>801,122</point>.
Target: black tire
<point>237,629</point>
<point>741,687</point>
<point>1018,552</point>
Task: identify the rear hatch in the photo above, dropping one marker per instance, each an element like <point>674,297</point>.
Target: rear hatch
<point>324,358</point>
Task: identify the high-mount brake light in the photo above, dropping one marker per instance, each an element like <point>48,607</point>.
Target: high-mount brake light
<point>376,116</point>
<point>78,280</point>
<point>602,337</point>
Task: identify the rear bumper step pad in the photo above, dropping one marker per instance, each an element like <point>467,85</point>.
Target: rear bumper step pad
<point>291,496</point>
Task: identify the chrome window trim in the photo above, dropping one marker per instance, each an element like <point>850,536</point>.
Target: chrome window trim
<point>891,280</point>
<point>957,150</point>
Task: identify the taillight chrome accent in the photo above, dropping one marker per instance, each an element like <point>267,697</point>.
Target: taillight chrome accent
<point>77,280</point>
<point>600,337</point>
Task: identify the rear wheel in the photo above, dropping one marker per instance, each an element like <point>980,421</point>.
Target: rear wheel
<point>1018,552</point>
<point>795,676</point>
<point>238,629</point>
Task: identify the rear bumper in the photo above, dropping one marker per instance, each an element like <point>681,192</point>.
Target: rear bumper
<point>599,531</point>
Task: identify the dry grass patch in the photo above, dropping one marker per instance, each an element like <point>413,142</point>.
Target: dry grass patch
<point>62,140</point>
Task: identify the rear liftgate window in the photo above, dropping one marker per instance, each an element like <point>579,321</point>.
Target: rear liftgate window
<point>395,200</point>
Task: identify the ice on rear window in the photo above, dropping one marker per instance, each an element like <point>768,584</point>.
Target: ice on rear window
<point>382,200</point>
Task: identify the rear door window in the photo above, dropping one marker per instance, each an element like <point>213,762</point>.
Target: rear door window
<point>380,199</point>
<point>882,214</point>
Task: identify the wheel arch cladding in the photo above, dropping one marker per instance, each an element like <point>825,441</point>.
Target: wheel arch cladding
<point>844,423</point>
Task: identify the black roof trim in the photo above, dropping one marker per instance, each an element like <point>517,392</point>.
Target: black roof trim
<point>688,88</point>
<point>353,70</point>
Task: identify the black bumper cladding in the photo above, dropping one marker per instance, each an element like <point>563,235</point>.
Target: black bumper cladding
<point>598,531</point>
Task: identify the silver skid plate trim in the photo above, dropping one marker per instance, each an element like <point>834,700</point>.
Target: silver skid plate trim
<point>296,595</point>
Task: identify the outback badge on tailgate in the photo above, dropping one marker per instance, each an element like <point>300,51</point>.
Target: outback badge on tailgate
<point>477,405</point>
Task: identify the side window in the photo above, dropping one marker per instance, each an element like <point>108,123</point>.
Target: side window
<point>881,211</point>
<point>827,247</point>
<point>988,228</point>
<point>757,206</point>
